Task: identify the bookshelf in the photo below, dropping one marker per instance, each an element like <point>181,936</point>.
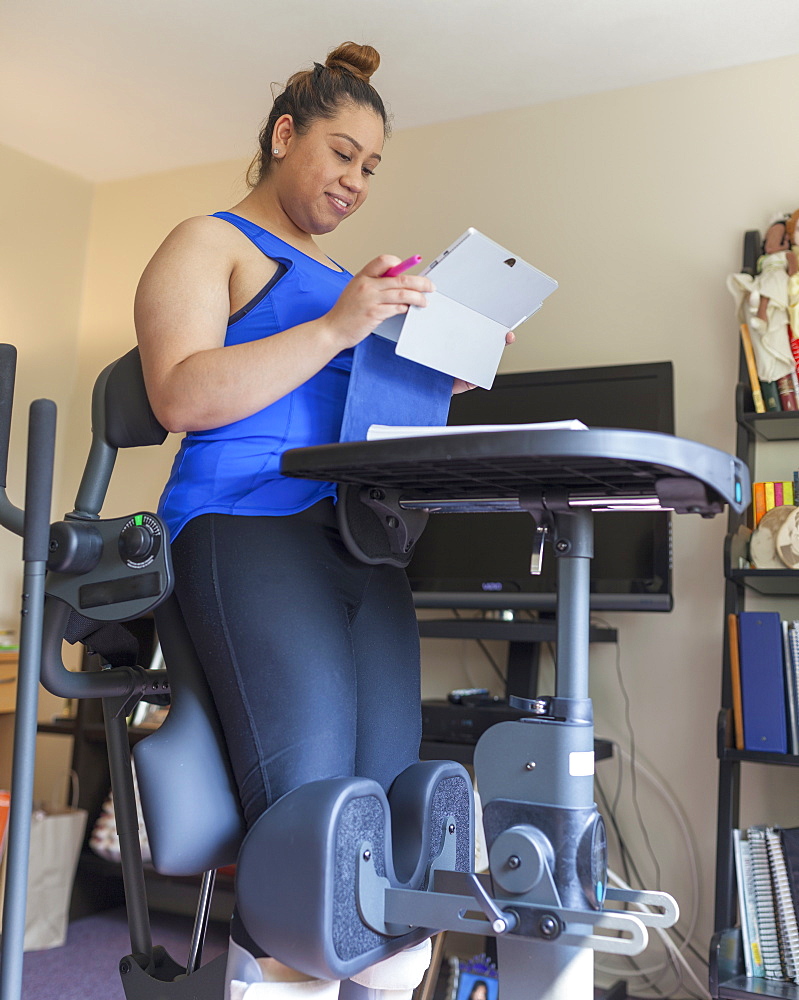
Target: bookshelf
<point>8,681</point>
<point>727,978</point>
<point>764,426</point>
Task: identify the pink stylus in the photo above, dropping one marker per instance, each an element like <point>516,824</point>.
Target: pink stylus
<point>392,272</point>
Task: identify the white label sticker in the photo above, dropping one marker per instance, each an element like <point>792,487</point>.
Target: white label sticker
<point>581,763</point>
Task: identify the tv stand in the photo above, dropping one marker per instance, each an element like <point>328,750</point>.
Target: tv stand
<point>451,731</point>
<point>524,640</point>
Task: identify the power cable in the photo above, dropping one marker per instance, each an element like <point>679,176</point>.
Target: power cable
<point>633,778</point>
<point>494,665</point>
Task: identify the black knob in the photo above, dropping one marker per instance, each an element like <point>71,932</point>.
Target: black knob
<point>135,542</point>
<point>75,547</point>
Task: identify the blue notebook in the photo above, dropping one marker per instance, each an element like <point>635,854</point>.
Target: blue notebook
<point>762,681</point>
<point>387,389</point>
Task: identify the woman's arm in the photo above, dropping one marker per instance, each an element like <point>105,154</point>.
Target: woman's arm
<point>182,308</point>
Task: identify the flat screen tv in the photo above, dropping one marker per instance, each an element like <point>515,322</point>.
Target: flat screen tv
<point>483,560</point>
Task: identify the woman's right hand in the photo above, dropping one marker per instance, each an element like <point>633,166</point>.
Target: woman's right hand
<point>369,298</point>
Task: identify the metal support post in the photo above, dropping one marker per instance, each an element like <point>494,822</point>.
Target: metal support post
<point>38,490</point>
<point>127,822</point>
<point>574,547</point>
<point>541,771</point>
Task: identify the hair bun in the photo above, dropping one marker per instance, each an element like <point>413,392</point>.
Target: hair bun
<point>360,60</point>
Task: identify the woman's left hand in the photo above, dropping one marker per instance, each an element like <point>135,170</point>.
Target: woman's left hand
<point>459,385</point>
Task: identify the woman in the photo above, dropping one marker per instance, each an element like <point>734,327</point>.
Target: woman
<point>246,331</point>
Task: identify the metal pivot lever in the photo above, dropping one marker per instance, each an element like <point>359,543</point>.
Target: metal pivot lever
<point>537,557</point>
<point>502,921</point>
<point>543,506</point>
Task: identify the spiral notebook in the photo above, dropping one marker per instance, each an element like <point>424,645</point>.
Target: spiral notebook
<point>753,962</point>
<point>765,907</point>
<point>784,906</point>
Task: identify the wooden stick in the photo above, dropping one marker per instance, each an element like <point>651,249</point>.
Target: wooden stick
<point>431,978</point>
<point>754,381</point>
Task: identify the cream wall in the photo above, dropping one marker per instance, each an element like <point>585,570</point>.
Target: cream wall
<point>636,200</point>
<point>45,226</point>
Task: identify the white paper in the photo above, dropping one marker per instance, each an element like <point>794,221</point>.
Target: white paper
<point>382,432</point>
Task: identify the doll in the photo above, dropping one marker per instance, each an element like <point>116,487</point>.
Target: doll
<point>793,275</point>
<point>762,303</point>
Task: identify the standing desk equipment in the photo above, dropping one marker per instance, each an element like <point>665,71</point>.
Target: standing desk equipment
<point>546,892</point>
<point>544,897</point>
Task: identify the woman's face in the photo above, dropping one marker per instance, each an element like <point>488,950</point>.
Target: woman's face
<point>322,177</point>
<point>479,992</point>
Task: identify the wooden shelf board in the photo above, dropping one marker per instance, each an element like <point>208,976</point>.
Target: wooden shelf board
<point>757,757</point>
<point>741,987</point>
<point>782,426</point>
<point>770,582</point>
<point>513,631</point>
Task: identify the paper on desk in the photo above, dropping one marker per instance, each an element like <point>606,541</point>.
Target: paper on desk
<point>382,432</point>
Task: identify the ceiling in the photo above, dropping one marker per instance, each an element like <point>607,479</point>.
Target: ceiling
<point>109,89</point>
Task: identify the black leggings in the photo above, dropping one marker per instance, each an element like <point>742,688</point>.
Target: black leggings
<point>311,655</point>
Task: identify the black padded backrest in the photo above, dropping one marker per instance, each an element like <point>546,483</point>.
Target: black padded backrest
<point>129,419</point>
<point>188,794</point>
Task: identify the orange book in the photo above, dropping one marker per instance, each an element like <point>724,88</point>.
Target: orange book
<point>735,679</point>
<point>758,502</point>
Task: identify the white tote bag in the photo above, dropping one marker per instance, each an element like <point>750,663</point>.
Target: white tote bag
<point>56,840</point>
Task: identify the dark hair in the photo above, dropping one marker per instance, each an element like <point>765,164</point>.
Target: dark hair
<point>777,222</point>
<point>476,983</point>
<point>319,93</point>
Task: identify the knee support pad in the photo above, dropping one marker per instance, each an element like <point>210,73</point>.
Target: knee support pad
<point>297,873</point>
<point>422,798</point>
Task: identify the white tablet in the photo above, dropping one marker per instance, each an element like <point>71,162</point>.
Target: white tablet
<point>493,281</point>
<point>482,291</point>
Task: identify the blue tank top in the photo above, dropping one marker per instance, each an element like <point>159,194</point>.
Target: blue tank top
<point>235,469</point>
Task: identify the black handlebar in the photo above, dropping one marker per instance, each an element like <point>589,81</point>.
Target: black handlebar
<point>8,370</point>
<point>39,480</point>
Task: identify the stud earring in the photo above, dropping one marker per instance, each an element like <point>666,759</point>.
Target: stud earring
<point>276,151</point>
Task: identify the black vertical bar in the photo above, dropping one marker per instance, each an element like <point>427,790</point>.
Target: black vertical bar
<point>100,463</point>
<point>201,921</point>
<point>574,602</point>
<point>523,661</point>
<point>127,823</point>
<point>38,495</point>
<point>728,812</point>
<point>8,368</point>
<point>10,516</point>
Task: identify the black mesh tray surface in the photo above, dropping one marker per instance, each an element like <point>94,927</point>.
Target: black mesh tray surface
<point>601,462</point>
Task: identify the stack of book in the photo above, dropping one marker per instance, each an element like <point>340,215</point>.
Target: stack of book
<point>767,873</point>
<point>780,395</point>
<point>764,673</point>
<point>767,496</point>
